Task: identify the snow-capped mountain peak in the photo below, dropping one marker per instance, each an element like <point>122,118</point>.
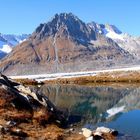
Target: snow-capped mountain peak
<point>8,41</point>
<point>112,34</point>
<point>113,28</point>
<point>110,31</point>
<point>124,40</point>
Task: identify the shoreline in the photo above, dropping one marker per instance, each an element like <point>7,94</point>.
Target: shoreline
<point>124,75</point>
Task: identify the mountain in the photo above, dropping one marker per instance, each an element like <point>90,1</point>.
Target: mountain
<point>124,40</point>
<point>65,44</point>
<point>8,41</point>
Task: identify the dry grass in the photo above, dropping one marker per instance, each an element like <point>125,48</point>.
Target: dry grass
<point>125,77</point>
<point>27,81</point>
<point>28,122</point>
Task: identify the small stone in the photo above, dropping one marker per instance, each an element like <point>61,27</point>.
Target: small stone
<point>1,126</point>
<point>107,130</point>
<point>8,123</point>
<point>11,123</point>
<point>71,129</point>
<point>18,132</point>
<point>86,132</point>
<point>96,133</point>
<point>3,129</point>
<point>103,129</point>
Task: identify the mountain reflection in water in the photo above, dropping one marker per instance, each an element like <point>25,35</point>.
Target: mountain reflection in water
<point>95,104</point>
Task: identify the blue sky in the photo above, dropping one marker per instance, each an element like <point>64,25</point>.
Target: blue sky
<point>23,16</point>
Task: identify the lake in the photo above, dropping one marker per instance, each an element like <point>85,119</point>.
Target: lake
<point>113,105</point>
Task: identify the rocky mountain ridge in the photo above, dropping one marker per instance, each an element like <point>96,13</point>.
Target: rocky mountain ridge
<point>124,40</point>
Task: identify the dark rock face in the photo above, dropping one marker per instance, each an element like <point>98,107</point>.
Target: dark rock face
<point>69,24</point>
<point>64,44</point>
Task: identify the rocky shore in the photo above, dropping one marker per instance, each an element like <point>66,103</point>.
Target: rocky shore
<point>28,115</point>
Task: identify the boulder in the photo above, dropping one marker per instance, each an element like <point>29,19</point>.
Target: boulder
<point>86,132</point>
<point>106,130</point>
<point>98,135</point>
<point>103,129</point>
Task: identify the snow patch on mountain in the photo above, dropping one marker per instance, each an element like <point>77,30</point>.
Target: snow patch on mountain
<point>127,42</point>
<point>6,48</point>
<point>8,41</point>
<point>112,34</point>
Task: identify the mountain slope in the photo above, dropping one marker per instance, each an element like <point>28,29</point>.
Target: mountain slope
<point>125,41</point>
<point>64,44</point>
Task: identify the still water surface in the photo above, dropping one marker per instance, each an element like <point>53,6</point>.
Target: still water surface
<point>114,105</point>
